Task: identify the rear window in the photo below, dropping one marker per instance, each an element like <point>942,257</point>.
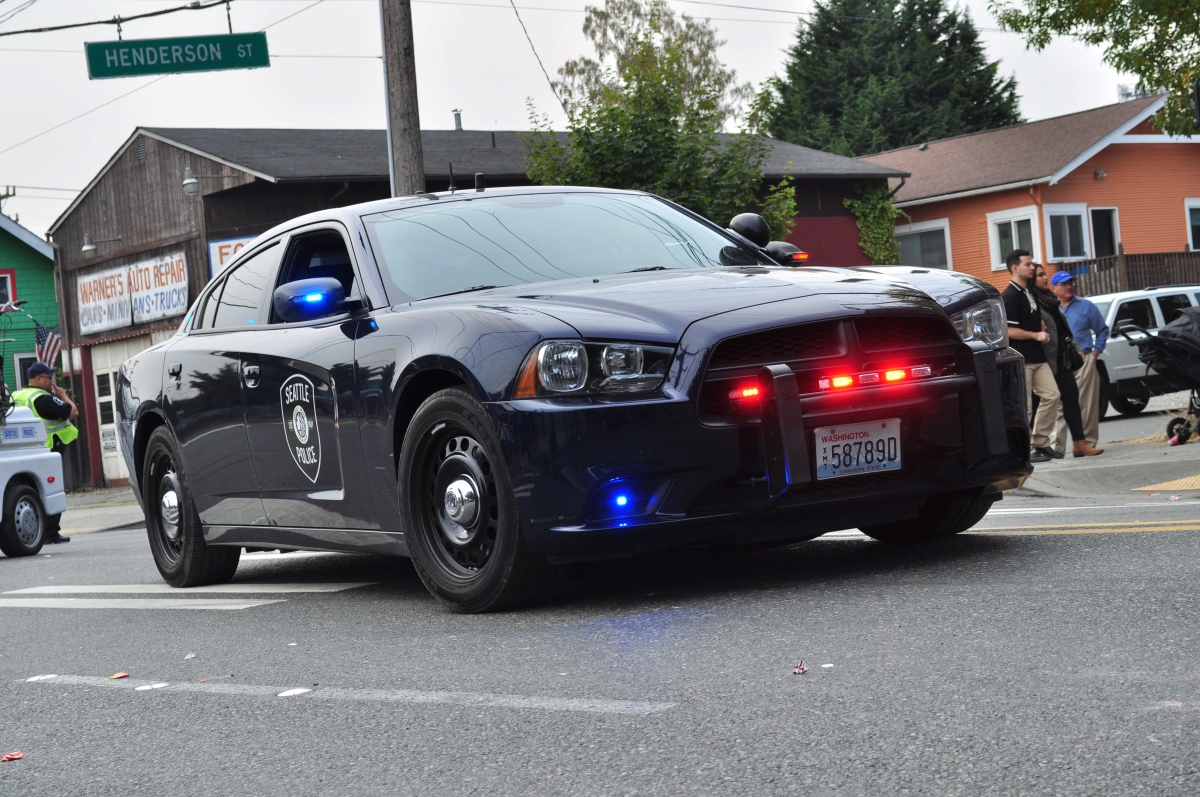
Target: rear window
<point>452,245</point>
<point>1171,305</point>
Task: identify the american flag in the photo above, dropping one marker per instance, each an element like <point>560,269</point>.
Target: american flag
<point>48,345</point>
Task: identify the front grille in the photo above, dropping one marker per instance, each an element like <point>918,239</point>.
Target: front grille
<point>803,342</point>
<point>888,334</point>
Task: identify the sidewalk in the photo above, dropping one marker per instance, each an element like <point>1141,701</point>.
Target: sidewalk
<point>101,510</point>
<point>1121,471</point>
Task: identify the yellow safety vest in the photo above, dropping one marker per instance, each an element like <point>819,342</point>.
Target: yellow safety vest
<point>63,430</point>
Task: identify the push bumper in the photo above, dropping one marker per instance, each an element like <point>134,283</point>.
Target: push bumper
<point>609,479</point>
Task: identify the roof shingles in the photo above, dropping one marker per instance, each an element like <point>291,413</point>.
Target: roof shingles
<point>1020,153</point>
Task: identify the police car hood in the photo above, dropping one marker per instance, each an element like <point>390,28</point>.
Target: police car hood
<point>659,306</point>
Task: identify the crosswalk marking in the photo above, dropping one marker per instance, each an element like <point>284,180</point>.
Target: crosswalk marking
<point>133,603</point>
<point>471,699</point>
<point>167,589</point>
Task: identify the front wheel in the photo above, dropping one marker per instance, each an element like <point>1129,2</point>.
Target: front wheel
<point>943,516</point>
<point>23,530</point>
<point>459,513</point>
<point>173,524</point>
<point>1175,427</point>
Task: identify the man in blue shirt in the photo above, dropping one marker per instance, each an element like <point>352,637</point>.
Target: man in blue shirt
<point>1091,334</point>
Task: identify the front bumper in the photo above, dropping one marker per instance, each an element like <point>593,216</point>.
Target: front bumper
<point>687,483</point>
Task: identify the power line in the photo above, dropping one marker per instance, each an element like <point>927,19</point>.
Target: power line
<point>535,55</point>
<point>289,16</point>
<point>85,113</point>
<point>44,188</point>
<point>9,15</point>
<point>195,6</point>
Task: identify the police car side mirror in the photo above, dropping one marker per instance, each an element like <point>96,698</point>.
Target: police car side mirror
<point>786,254</point>
<point>307,300</point>
<point>752,227</point>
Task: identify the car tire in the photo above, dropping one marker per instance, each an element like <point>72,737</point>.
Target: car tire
<point>23,530</point>
<point>452,469</point>
<point>177,543</point>
<point>943,516</point>
<point>1175,426</point>
<point>1129,405</point>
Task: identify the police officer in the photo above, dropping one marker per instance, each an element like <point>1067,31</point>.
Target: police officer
<point>50,403</point>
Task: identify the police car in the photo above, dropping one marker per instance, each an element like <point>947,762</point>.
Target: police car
<point>494,382</point>
<point>32,479</point>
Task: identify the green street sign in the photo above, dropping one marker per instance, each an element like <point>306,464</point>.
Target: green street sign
<point>135,57</point>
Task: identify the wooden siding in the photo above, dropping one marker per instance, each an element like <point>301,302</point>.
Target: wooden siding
<point>1147,183</point>
<point>145,205</point>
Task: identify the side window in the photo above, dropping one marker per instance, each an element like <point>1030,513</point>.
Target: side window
<point>318,254</point>
<point>208,313</point>
<point>1171,305</point>
<point>241,297</point>
<point>1138,311</point>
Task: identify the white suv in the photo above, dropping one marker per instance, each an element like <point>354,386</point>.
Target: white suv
<point>1125,383</point>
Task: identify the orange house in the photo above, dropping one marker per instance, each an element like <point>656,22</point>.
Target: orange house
<point>1067,189</point>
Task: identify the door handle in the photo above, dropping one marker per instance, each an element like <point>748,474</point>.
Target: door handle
<point>175,370</point>
<point>250,372</point>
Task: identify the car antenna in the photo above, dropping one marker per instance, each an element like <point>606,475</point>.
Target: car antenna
<point>451,177</point>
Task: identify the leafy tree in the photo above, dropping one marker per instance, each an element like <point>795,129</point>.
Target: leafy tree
<point>647,112</point>
<point>1156,40</point>
<point>868,75</point>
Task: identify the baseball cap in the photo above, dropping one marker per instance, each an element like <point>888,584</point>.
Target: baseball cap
<point>38,369</point>
<point>1060,277</point>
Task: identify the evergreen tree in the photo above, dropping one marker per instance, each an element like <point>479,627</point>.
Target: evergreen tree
<point>869,75</point>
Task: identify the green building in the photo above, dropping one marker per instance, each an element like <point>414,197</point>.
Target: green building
<point>26,273</point>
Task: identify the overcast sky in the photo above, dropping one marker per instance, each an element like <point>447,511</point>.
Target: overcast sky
<point>471,54</point>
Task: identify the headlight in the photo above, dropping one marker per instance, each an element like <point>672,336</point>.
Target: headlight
<point>984,322</point>
<point>571,367</point>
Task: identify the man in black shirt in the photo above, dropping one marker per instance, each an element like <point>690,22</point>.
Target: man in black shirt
<point>1027,333</point>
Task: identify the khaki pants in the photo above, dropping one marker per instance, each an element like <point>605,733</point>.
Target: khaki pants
<point>1040,380</point>
<point>1088,379</point>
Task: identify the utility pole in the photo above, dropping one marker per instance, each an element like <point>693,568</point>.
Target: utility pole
<point>406,163</point>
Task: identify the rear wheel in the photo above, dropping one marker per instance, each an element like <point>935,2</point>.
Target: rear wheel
<point>943,516</point>
<point>23,530</point>
<point>173,524</point>
<point>459,513</point>
<point>1129,405</point>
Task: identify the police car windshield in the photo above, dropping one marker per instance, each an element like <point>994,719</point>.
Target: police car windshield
<point>449,246</point>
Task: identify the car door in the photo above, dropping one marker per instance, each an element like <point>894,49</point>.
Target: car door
<point>202,394</point>
<point>300,402</point>
<point>1122,356</point>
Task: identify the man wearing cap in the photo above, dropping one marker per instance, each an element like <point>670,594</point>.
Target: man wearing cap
<point>1091,333</point>
<point>55,408</point>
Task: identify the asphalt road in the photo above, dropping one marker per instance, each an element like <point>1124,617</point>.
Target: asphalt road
<point>1052,651</point>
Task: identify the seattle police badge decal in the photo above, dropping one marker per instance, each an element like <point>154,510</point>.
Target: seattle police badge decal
<point>297,395</point>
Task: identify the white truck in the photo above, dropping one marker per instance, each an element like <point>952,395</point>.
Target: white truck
<point>33,483</point>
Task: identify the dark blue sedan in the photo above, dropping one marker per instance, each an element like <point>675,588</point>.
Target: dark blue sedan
<point>496,382</point>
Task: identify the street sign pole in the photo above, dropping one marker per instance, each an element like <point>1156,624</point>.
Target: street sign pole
<point>404,122</point>
<point>137,57</point>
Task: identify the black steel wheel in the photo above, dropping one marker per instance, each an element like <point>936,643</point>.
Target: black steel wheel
<point>23,530</point>
<point>1129,405</point>
<point>459,514</point>
<point>173,525</point>
<point>1177,426</point>
<point>943,516</point>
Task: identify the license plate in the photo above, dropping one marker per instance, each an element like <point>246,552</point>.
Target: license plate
<point>858,448</point>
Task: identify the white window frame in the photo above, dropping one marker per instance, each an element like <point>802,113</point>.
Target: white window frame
<point>1116,225</point>
<point>18,375</point>
<point>1188,205</point>
<point>1028,212</point>
<point>1079,209</point>
<point>926,226</point>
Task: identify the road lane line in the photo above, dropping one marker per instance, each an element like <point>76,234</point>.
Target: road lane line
<point>133,603</point>
<point>1192,524</point>
<point>1034,531</point>
<point>409,696</point>
<point>167,589</point>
